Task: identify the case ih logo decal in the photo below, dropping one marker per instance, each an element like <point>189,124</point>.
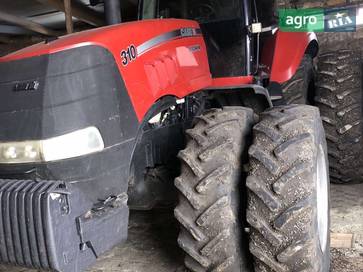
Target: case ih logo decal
<point>318,20</point>
<point>168,36</point>
<point>27,86</point>
<point>187,32</point>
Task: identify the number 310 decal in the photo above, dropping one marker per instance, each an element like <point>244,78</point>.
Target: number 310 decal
<point>128,55</point>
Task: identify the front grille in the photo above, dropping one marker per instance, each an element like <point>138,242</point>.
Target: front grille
<point>19,173</point>
<point>51,225</point>
<point>25,238</point>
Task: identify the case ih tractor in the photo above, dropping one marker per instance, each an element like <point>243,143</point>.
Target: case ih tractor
<point>100,122</point>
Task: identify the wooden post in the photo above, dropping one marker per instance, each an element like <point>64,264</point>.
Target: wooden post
<point>79,11</point>
<point>68,15</point>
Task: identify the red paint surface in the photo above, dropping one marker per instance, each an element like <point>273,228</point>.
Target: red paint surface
<point>171,68</point>
<point>283,53</point>
<point>168,69</point>
<point>231,81</point>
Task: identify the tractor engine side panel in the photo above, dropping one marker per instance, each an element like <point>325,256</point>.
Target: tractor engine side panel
<point>168,64</point>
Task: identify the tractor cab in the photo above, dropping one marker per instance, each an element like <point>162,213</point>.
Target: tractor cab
<point>224,25</point>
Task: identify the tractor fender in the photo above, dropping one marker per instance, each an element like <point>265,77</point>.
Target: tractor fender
<point>243,85</point>
<point>283,52</point>
<point>259,90</point>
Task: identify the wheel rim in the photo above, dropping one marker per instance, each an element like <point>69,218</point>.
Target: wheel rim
<point>322,199</point>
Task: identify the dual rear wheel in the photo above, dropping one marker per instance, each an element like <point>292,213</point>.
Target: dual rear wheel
<point>280,208</point>
<point>338,95</point>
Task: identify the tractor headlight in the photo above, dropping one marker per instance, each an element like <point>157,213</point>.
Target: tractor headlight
<point>71,145</point>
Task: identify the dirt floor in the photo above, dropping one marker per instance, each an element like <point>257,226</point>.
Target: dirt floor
<point>347,218</point>
<point>152,239</point>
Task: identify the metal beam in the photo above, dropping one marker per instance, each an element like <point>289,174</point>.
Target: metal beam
<point>5,40</point>
<point>79,11</point>
<point>27,24</point>
<point>14,30</point>
<point>19,41</point>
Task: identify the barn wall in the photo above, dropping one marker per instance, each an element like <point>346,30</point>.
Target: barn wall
<point>328,41</point>
<point>8,44</point>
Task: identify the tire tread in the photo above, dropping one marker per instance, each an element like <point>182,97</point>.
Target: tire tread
<point>341,108</point>
<point>280,206</point>
<point>208,208</point>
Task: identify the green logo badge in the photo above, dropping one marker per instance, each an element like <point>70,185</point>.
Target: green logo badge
<point>301,20</point>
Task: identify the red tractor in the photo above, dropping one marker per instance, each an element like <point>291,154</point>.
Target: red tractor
<point>96,123</point>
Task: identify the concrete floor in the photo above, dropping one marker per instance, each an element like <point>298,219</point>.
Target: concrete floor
<point>152,239</point>
<point>347,218</point>
<point>347,209</point>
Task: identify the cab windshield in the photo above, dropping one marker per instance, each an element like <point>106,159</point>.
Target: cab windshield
<point>203,11</point>
<point>222,23</point>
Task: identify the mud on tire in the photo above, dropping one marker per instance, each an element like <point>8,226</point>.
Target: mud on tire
<point>208,209</point>
<point>288,149</point>
<point>339,97</point>
<point>297,89</point>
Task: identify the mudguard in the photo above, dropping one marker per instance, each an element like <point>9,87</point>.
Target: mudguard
<point>283,52</point>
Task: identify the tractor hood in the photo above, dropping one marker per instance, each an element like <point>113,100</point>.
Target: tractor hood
<point>50,95</point>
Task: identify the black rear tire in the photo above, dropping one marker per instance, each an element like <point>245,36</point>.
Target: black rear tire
<point>339,97</point>
<point>288,208</point>
<point>297,89</point>
<point>209,201</point>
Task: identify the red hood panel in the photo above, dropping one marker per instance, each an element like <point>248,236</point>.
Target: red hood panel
<point>169,57</point>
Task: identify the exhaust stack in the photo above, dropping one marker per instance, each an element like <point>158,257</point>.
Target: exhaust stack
<point>112,12</point>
